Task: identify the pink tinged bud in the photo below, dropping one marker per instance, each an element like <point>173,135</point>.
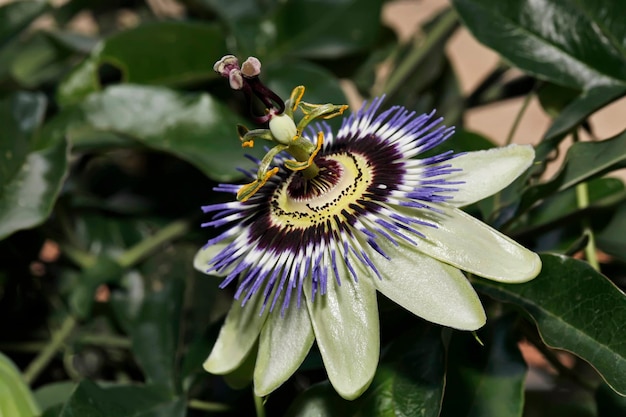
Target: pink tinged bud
<point>251,67</point>
<point>235,79</point>
<point>226,65</point>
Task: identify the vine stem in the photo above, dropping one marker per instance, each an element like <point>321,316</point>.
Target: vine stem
<point>143,248</point>
<point>208,406</point>
<point>136,253</point>
<point>582,201</point>
<point>44,357</point>
<point>418,54</point>
<point>509,140</point>
<point>518,119</point>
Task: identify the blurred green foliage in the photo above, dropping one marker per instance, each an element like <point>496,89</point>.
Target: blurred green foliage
<point>110,142</point>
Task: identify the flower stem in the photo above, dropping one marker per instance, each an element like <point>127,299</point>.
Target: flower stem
<point>582,200</point>
<point>44,357</point>
<point>143,248</point>
<point>107,341</point>
<point>419,53</point>
<point>258,405</point>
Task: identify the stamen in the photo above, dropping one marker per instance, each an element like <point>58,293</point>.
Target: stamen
<point>249,190</point>
<point>301,165</point>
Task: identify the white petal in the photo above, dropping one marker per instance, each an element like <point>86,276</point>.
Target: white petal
<point>468,244</point>
<point>237,336</point>
<point>283,345</point>
<point>486,172</point>
<point>345,322</point>
<point>204,256</point>
<point>428,288</point>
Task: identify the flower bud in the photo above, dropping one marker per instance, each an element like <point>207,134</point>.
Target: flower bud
<point>283,128</point>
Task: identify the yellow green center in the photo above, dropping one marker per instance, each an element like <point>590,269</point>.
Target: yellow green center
<point>325,196</point>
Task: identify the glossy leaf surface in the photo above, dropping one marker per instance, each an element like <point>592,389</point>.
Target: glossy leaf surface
<point>576,309</point>
<point>571,43</point>
<point>31,172</point>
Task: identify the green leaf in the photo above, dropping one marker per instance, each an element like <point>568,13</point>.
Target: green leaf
<point>485,380</point>
<point>612,238</point>
<point>38,60</point>
<point>231,11</point>
<point>584,160</point>
<point>16,16</point>
<point>323,29</point>
<point>418,364</point>
<point>54,394</point>
<point>16,399</point>
<point>165,53</point>
<point>582,107</point>
<point>194,127</point>
<point>31,173</point>
<point>572,43</point>
<point>576,309</point>
<point>155,331</point>
<point>320,400</point>
<point>408,382</point>
<point>89,400</point>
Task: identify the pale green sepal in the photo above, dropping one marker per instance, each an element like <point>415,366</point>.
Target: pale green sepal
<point>484,173</point>
<point>345,322</point>
<point>283,345</point>
<point>237,336</point>
<point>462,241</point>
<point>428,288</point>
<point>204,256</point>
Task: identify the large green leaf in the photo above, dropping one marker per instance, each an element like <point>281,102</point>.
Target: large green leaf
<point>17,15</point>
<point>576,309</point>
<point>89,400</point>
<point>166,53</point>
<point>31,172</point>
<point>193,127</point>
<point>323,29</point>
<point>574,43</point>
<point>584,160</point>
<point>414,387</point>
<point>485,380</point>
<point>16,399</point>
